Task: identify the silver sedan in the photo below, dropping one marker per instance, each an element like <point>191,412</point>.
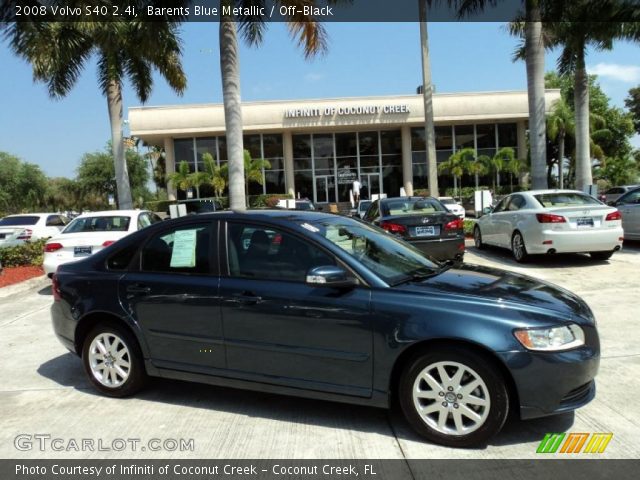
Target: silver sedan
<point>629,205</point>
<point>551,221</point>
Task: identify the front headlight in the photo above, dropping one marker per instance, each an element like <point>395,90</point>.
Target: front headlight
<point>552,339</point>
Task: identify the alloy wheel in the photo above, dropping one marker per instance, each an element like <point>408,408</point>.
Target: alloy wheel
<point>109,360</point>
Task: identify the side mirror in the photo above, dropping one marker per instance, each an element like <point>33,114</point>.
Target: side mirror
<point>330,276</point>
<point>487,210</point>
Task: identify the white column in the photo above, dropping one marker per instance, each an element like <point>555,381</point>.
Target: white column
<point>407,164</point>
<point>287,144</point>
<point>170,165</point>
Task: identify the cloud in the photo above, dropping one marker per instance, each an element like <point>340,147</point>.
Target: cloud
<point>314,77</point>
<point>623,73</point>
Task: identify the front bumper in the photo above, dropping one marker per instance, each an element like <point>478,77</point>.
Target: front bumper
<point>553,383</point>
<point>441,248</point>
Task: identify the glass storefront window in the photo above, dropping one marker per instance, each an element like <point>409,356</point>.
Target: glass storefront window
<point>222,149</point>
<point>252,143</point>
<point>368,143</point>
<point>301,146</point>
<point>369,161</point>
<point>304,183</point>
<point>302,164</point>
<point>486,135</point>
<point>464,136</point>
<point>323,151</point>
<point>391,180</point>
<point>183,149</point>
<point>272,144</point>
<point>443,155</point>
<point>417,139</point>
<point>391,160</point>
<point>507,135</point>
<point>346,144</point>
<point>444,137</point>
<point>391,142</point>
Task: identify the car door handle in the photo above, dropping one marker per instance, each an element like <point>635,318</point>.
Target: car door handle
<point>246,298</point>
<point>138,288</point>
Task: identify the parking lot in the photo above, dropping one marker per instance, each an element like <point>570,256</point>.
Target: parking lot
<point>43,390</point>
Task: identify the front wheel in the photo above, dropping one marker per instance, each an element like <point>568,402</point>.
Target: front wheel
<point>112,360</point>
<point>518,248</point>
<point>601,255</point>
<point>477,238</point>
<point>454,397</point>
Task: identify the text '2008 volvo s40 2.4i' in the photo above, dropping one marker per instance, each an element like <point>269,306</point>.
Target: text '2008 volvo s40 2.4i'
<point>324,306</point>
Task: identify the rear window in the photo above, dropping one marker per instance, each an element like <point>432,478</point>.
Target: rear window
<point>115,223</point>
<point>408,206</point>
<point>19,221</point>
<point>565,199</point>
<point>448,201</point>
<point>304,206</point>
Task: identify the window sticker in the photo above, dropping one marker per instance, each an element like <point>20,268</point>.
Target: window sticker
<point>184,249</point>
<point>311,228</point>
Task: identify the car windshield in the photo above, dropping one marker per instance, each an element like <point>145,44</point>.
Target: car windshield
<point>364,205</point>
<point>391,259</point>
<point>99,224</point>
<point>19,221</point>
<point>565,199</point>
<point>304,206</point>
<point>448,201</point>
<point>412,206</point>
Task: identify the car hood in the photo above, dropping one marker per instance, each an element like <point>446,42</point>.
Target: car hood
<point>495,284</point>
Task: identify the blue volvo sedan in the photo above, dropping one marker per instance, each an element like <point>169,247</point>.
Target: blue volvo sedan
<point>323,306</point>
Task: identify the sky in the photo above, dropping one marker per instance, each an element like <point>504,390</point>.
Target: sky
<point>362,59</point>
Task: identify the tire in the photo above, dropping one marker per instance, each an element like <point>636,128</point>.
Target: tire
<point>518,248</point>
<point>470,418</point>
<point>601,255</point>
<point>122,373</point>
<point>477,238</point>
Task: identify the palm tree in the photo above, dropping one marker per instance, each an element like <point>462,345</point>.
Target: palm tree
<point>596,24</point>
<point>469,164</point>
<point>514,166</point>
<point>182,178</point>
<point>500,160</point>
<point>559,124</point>
<point>533,52</point>
<point>308,33</point>
<point>213,174</point>
<point>455,166</point>
<point>126,50</point>
<point>254,169</point>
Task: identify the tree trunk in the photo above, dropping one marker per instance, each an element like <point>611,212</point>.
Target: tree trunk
<point>427,93</point>
<point>561,159</point>
<point>230,70</point>
<point>581,101</point>
<point>477,181</point>
<point>534,51</point>
<point>114,103</point>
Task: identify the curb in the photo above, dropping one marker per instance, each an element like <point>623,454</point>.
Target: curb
<point>21,287</point>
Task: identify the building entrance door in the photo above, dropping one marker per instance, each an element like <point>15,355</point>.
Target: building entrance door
<point>325,189</point>
<point>370,185</point>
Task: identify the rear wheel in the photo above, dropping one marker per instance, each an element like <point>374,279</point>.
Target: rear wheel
<point>518,247</point>
<point>477,238</point>
<point>113,361</point>
<point>454,397</point>
<point>601,255</point>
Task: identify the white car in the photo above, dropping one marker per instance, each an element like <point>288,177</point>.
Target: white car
<point>91,232</point>
<point>18,229</point>
<point>361,208</point>
<point>453,206</point>
<point>551,221</point>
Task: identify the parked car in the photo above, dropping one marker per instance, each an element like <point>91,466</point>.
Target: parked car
<point>305,205</point>
<point>453,206</point>
<point>18,229</point>
<point>422,221</point>
<point>200,205</point>
<point>629,206</point>
<point>361,208</point>
<point>551,221</point>
<point>614,193</point>
<point>328,307</point>
<point>91,232</point>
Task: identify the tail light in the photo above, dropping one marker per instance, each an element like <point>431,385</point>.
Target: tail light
<point>613,216</point>
<point>456,224</point>
<point>52,247</point>
<point>25,234</point>
<point>393,227</point>
<point>55,288</point>
<point>277,239</point>
<point>550,218</point>
<point>108,242</point>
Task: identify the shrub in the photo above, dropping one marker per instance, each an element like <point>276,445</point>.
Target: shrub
<point>421,192</point>
<point>158,205</point>
<point>268,200</point>
<point>468,226</point>
<point>29,253</point>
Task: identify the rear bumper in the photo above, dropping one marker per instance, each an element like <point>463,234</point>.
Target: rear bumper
<point>441,248</point>
<point>575,241</point>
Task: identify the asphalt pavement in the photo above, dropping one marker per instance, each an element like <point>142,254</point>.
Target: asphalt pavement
<point>43,391</point>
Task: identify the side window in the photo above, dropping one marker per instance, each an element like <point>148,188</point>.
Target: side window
<point>185,249</point>
<point>372,213</point>
<point>54,221</point>
<point>269,254</point>
<point>517,202</point>
<point>143,221</point>
<point>502,205</point>
<point>632,197</point>
<point>122,258</point>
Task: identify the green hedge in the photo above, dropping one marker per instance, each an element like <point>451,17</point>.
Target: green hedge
<point>29,253</point>
<point>468,226</point>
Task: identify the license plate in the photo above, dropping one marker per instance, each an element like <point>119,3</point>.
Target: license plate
<point>429,231</point>
<point>584,222</point>
<point>81,251</point>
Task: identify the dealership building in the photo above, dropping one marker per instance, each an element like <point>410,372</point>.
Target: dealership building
<point>317,148</point>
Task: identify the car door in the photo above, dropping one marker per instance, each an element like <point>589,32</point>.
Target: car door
<point>173,296</point>
<point>491,226</point>
<point>279,329</point>
<point>509,219</point>
<point>630,209</point>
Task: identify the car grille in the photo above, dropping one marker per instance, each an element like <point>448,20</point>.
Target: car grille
<point>576,394</point>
